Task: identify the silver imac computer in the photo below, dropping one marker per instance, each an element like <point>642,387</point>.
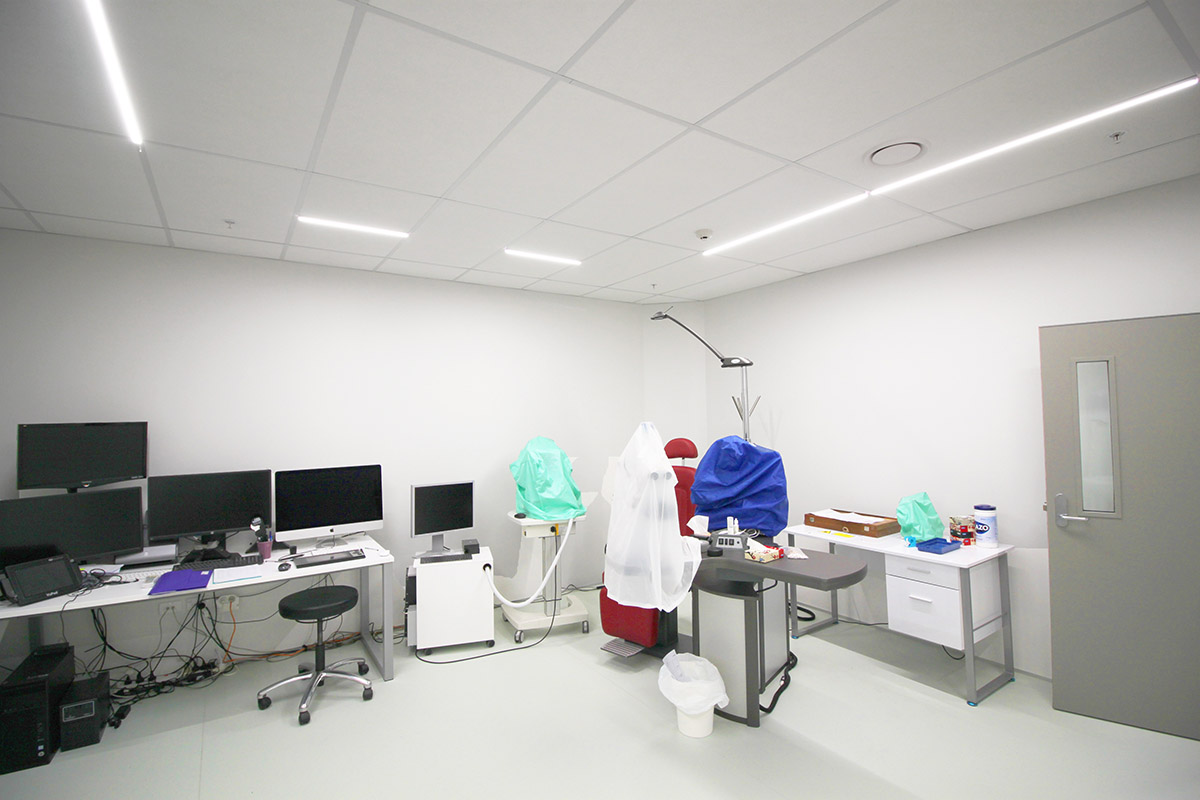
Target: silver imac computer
<point>331,501</point>
<point>442,508</point>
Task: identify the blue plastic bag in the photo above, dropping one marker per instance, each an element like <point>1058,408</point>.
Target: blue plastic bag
<point>919,520</point>
<point>738,479</point>
<point>545,488</point>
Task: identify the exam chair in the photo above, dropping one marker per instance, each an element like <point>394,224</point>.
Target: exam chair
<point>648,629</point>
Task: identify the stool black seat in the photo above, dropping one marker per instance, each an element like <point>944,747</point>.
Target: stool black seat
<point>319,604</point>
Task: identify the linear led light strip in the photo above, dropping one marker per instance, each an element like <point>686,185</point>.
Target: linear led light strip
<point>570,262</point>
<point>962,162</point>
<point>352,226</point>
<point>112,66</point>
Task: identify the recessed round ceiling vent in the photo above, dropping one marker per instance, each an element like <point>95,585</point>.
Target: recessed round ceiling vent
<point>892,154</point>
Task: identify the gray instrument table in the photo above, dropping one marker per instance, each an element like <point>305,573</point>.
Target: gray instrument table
<point>722,583</point>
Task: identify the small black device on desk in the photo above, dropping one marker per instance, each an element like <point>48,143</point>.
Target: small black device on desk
<point>441,557</point>
<point>328,558</point>
<point>221,563</point>
<point>39,580</point>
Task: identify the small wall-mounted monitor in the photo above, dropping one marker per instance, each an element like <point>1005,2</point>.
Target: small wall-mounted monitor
<point>76,455</point>
<point>331,501</point>
<point>206,505</point>
<point>82,525</point>
<point>442,508</point>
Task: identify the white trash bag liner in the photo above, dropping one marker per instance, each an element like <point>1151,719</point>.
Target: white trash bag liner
<point>692,683</point>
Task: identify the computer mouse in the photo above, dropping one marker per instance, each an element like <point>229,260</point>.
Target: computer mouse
<point>285,566</point>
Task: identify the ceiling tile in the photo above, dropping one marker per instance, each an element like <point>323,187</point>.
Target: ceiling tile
<point>542,32</point>
<point>1067,81</point>
<point>689,64</point>
<point>226,244</point>
<point>631,257</point>
<point>1146,168</point>
<point>909,53</point>
<point>570,142</point>
<point>416,110</point>
<point>494,279</point>
<point>74,173</point>
<point>619,295</point>
<point>226,76</point>
<point>661,300</point>
<point>462,235</point>
<point>688,172</point>
<point>101,229</point>
<point>50,67</point>
<point>417,270</point>
<point>909,233</point>
<point>361,203</point>
<point>751,278</point>
<point>779,196</point>
<point>329,258</point>
<point>1186,14</point>
<point>199,192</point>
<point>687,272</point>
<point>560,287</point>
<point>16,219</point>
<point>516,265</point>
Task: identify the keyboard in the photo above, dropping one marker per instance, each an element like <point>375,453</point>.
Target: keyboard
<point>438,559</point>
<point>222,563</point>
<point>328,558</point>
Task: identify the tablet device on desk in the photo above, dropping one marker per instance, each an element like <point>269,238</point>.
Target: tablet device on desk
<point>328,558</point>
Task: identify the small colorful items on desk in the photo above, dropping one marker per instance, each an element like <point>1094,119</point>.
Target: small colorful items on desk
<point>762,552</point>
<point>962,529</point>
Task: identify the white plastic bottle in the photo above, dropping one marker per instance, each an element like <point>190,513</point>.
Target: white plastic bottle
<point>985,526</point>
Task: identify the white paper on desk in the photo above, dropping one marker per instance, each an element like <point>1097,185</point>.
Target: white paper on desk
<point>235,574</point>
<point>848,516</point>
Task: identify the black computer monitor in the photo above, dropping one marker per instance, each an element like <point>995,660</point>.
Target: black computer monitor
<point>206,506</point>
<point>76,455</point>
<point>330,501</point>
<point>83,525</point>
<point>440,508</point>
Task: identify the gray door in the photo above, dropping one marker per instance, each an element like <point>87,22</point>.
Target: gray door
<point>1121,412</point>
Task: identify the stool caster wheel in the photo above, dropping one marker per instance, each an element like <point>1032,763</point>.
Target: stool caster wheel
<point>519,636</point>
<point>363,669</point>
<point>264,703</point>
<point>304,717</point>
<point>368,693</point>
<point>491,642</point>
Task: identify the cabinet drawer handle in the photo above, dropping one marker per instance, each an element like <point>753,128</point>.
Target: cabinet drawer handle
<point>922,571</point>
<point>922,599</point>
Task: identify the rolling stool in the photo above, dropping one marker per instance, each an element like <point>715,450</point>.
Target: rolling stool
<point>318,604</point>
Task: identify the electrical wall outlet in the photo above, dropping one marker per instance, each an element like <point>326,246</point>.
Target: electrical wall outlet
<point>175,607</point>
<point>229,602</point>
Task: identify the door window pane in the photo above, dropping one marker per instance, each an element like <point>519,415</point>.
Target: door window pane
<point>1095,436</point>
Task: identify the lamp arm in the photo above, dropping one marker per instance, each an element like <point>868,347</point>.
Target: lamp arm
<point>665,315</point>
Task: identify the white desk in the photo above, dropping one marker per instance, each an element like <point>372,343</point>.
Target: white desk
<point>375,568</point>
<point>955,599</point>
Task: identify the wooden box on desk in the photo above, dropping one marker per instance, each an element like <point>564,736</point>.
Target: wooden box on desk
<point>886,527</point>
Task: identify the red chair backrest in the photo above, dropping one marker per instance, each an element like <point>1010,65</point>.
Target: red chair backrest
<point>685,476</point>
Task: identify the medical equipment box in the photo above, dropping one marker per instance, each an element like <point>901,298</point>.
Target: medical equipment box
<point>884,527</point>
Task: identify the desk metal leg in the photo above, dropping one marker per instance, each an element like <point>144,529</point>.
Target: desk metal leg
<point>381,653</point>
<point>793,624</point>
<point>975,693</point>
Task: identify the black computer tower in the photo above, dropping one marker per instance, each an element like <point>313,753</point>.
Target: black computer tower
<point>83,712</point>
<point>29,700</point>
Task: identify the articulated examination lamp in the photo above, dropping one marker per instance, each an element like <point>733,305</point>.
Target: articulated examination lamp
<point>743,406</point>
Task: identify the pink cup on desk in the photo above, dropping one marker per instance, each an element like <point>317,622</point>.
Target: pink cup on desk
<point>264,549</point>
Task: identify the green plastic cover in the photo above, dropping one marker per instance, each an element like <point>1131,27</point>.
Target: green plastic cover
<point>545,488</point>
<point>919,520</point>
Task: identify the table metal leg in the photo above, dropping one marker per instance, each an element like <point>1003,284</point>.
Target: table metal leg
<point>381,653</point>
<point>977,693</point>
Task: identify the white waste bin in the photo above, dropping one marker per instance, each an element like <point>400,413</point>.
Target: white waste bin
<point>695,686</point>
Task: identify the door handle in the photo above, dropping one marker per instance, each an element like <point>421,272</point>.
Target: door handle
<point>1061,517</point>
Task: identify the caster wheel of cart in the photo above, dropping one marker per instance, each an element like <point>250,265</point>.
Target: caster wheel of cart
<point>491,642</point>
<point>586,628</point>
<point>519,636</point>
<point>363,669</point>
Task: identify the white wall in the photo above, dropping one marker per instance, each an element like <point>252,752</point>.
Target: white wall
<point>919,371</point>
<point>241,363</point>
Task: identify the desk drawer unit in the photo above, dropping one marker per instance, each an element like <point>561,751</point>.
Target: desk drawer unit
<point>925,600</point>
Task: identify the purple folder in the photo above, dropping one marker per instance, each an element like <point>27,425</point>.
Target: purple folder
<point>181,579</point>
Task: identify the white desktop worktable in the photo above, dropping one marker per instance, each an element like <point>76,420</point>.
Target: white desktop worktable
<point>955,599</point>
<point>375,567</point>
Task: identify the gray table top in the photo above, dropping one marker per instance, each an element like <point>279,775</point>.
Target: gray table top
<point>823,571</point>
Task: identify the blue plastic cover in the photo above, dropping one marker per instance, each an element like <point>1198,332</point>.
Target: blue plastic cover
<point>738,479</point>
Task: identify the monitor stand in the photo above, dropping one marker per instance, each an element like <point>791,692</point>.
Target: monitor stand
<point>436,548</point>
<point>213,549</point>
